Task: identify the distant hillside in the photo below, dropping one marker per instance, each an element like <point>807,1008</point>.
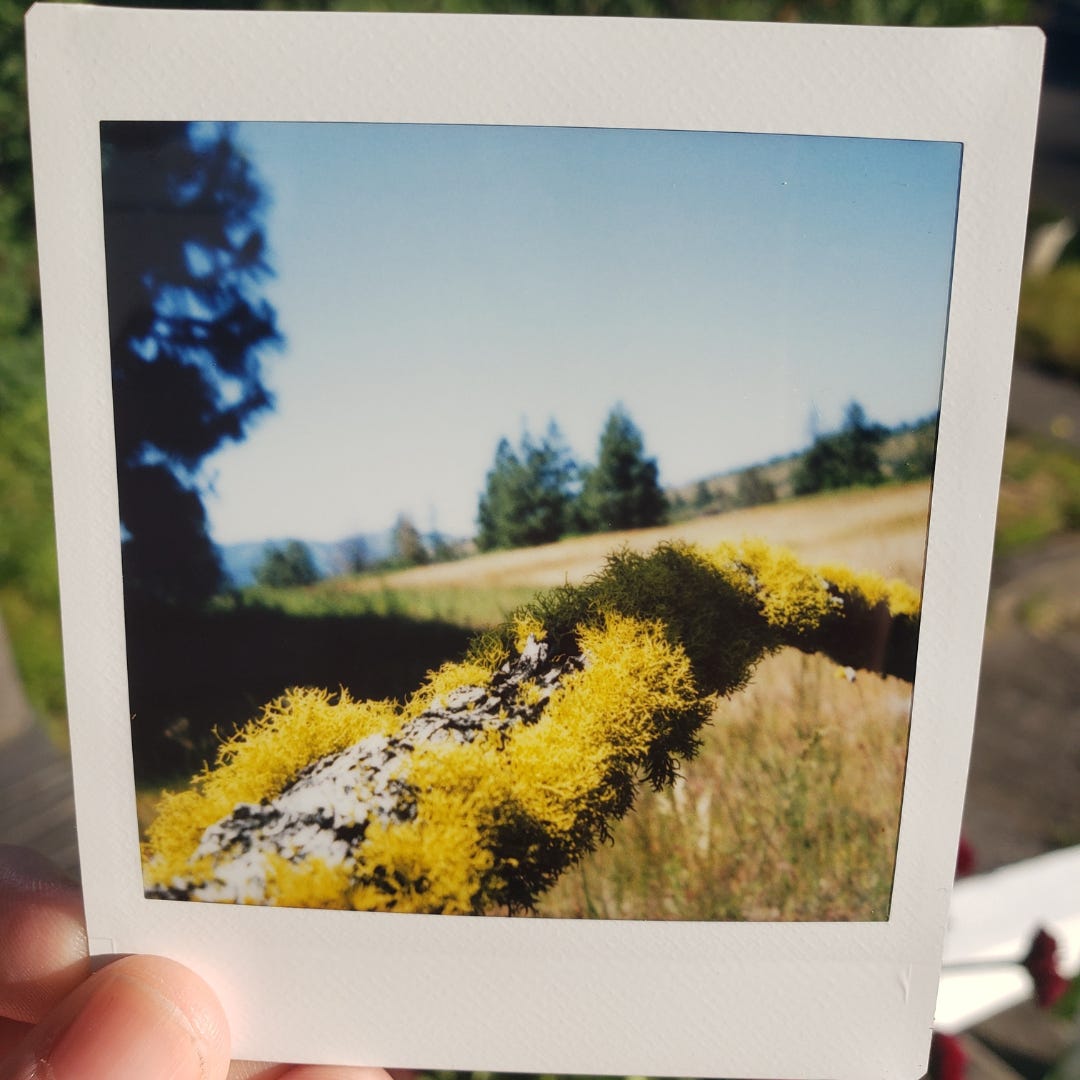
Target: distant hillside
<point>331,558</point>
<point>901,449</point>
<point>901,454</point>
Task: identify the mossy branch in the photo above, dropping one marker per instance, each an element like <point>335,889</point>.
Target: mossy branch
<point>506,768</point>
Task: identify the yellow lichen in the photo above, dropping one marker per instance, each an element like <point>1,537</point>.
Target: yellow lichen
<point>446,679</point>
<point>527,625</point>
<point>797,597</point>
<point>898,596</point>
<point>553,781</point>
<point>494,821</point>
<point>308,883</point>
<point>257,763</point>
<point>792,596</point>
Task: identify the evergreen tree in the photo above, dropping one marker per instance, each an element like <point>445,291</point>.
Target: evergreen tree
<point>407,544</point>
<point>918,462</point>
<point>527,494</point>
<point>286,566</point>
<point>754,488</point>
<point>622,490</point>
<point>355,555</point>
<point>442,549</point>
<point>184,253</point>
<point>845,458</point>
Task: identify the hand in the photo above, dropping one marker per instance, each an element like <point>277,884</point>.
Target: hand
<point>138,1018</point>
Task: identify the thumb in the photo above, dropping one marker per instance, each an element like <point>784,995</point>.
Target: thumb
<point>140,1018</point>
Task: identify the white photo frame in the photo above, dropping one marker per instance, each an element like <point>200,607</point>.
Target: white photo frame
<point>664,998</point>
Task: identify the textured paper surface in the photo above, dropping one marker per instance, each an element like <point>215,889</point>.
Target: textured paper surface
<point>751,1000</point>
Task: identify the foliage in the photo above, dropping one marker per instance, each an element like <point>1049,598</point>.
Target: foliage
<point>496,819</point>
<point>844,458</point>
<point>527,493</point>
<point>16,189</point>
<point>1048,329</point>
<point>28,588</point>
<point>356,555</point>
<point>622,490</point>
<point>471,607</point>
<point>29,593</point>
<point>789,811</point>
<point>530,497</point>
<point>184,254</point>
<point>406,545</point>
<point>754,488</point>
<point>919,452</point>
<point>193,671</point>
<point>888,12</point>
<point>1040,493</point>
<point>288,565</point>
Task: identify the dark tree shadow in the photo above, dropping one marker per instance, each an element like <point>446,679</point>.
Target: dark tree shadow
<point>196,675</point>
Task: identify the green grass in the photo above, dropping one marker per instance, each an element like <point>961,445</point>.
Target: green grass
<point>475,608</point>
<point>1040,493</point>
<point>1048,333</point>
<point>29,592</point>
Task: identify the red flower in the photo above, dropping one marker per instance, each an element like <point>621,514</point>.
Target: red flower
<point>965,858</point>
<point>947,1058</point>
<point>1041,963</point>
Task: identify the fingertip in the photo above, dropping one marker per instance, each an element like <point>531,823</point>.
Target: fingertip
<point>176,986</point>
<point>139,1017</point>
<point>44,954</point>
<point>29,869</point>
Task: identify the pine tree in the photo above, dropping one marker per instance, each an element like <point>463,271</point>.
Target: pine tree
<point>845,458</point>
<point>184,256</point>
<point>408,545</point>
<point>622,490</point>
<point>287,566</point>
<point>527,495</point>
<point>754,488</point>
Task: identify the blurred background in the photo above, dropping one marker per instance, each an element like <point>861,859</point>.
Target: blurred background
<point>1023,792</point>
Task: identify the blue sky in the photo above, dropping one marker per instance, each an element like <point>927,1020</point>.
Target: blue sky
<point>441,286</point>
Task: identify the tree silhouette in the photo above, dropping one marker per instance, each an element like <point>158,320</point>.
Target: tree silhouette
<point>622,490</point>
<point>754,488</point>
<point>286,566</point>
<point>844,458</point>
<point>356,555</point>
<point>407,545</point>
<point>527,496</point>
<point>184,255</point>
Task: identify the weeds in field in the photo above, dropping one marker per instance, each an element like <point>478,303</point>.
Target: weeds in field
<point>1040,493</point>
<point>472,607</point>
<point>506,769</point>
<point>790,811</point>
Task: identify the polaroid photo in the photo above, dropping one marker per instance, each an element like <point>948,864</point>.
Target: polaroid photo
<point>525,492</point>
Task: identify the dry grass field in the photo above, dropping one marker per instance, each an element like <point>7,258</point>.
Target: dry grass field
<point>789,812</point>
<point>881,529</point>
<point>791,809</point>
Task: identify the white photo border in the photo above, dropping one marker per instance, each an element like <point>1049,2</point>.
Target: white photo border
<point>666,998</point>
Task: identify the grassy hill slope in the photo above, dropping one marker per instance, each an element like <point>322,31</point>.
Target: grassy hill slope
<point>881,529</point>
